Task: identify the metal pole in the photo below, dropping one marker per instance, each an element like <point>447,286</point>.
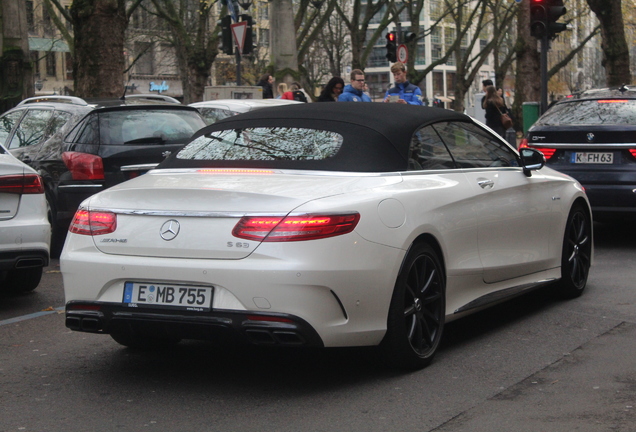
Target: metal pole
<point>238,66</point>
<point>544,73</point>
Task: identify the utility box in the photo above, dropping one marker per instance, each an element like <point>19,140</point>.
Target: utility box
<point>232,92</point>
<point>530,112</point>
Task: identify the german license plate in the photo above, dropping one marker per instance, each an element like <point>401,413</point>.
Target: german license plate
<point>186,297</point>
<point>592,158</point>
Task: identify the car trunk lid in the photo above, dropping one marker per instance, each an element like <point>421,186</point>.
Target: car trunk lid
<point>191,213</point>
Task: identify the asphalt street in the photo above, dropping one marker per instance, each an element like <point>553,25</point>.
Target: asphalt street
<point>531,364</point>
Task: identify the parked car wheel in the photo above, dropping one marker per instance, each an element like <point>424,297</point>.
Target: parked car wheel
<point>417,310</point>
<point>577,253</point>
<point>22,280</point>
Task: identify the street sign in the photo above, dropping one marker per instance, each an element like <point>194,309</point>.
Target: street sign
<point>239,30</point>
<point>402,54</point>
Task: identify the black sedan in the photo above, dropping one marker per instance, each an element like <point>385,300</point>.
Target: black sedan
<point>592,137</point>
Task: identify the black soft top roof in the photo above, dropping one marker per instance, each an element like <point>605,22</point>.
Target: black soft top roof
<point>376,135</point>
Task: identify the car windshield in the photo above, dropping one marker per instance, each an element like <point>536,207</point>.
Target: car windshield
<point>264,144</point>
<point>148,126</point>
<point>591,112</point>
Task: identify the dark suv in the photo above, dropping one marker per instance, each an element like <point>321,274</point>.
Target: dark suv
<point>592,137</point>
<point>81,147</point>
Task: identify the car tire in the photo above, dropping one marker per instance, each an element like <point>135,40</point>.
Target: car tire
<point>576,253</point>
<point>58,235</point>
<point>417,311</point>
<point>23,280</point>
<point>131,339</point>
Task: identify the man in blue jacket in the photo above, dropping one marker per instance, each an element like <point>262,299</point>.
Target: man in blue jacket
<point>354,92</point>
<point>406,92</point>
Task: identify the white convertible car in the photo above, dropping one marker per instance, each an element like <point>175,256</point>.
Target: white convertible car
<point>325,225</point>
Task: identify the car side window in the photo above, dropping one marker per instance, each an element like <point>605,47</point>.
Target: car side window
<point>31,129</point>
<point>428,152</point>
<point>59,119</point>
<point>474,147</point>
<point>7,123</point>
<point>89,131</point>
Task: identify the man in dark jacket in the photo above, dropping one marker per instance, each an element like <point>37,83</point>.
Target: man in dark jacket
<point>354,92</point>
<point>403,91</point>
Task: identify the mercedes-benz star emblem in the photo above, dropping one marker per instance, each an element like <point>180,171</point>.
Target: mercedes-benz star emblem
<point>590,137</point>
<point>169,230</point>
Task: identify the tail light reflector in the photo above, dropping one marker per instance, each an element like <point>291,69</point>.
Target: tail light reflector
<point>92,223</point>
<point>21,184</point>
<point>547,152</point>
<point>295,228</point>
<point>84,166</point>
<point>633,152</point>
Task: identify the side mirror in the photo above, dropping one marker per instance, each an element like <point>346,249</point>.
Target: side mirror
<point>531,160</point>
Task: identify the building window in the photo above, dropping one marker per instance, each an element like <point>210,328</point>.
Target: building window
<point>144,56</point>
<point>482,47</point>
<point>263,37</point>
<point>47,22</point>
<point>35,59</point>
<point>30,16</point>
<point>69,66</point>
<point>51,64</point>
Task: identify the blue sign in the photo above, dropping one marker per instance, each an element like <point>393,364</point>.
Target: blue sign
<point>232,9</point>
<point>159,87</point>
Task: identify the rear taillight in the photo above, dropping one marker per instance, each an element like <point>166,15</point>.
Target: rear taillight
<point>21,184</point>
<point>84,166</point>
<point>93,223</point>
<point>294,228</point>
<point>633,152</point>
<point>547,152</point>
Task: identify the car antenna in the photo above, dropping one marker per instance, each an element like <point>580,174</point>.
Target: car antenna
<point>123,97</point>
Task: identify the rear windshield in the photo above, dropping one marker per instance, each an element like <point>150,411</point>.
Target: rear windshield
<point>148,126</point>
<point>591,112</point>
<point>264,144</point>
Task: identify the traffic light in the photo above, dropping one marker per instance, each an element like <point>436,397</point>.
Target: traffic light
<point>555,11</point>
<point>248,45</point>
<point>391,46</point>
<point>408,36</point>
<point>226,35</point>
<point>544,15</point>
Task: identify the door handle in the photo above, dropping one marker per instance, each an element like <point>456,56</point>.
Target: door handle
<point>485,184</point>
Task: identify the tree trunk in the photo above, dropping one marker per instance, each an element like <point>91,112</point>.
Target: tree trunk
<point>98,67</point>
<point>528,79</point>
<point>614,44</point>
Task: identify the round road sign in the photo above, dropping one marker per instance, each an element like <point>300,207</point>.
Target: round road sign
<point>402,54</point>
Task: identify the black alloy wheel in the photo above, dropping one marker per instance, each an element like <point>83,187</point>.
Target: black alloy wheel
<point>416,314</point>
<point>577,253</point>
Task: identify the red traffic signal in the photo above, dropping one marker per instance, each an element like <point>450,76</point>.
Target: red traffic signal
<point>391,46</point>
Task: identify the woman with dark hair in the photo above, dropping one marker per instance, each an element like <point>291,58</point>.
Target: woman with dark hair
<point>495,107</point>
<point>332,90</point>
<point>266,82</point>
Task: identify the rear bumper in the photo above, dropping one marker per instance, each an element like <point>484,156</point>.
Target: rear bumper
<point>619,200</point>
<point>22,259</point>
<point>249,327</point>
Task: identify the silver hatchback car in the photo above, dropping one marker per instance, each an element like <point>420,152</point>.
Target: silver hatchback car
<point>25,231</point>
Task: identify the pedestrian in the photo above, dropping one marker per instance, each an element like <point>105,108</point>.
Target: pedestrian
<point>495,107</point>
<point>402,91</point>
<point>282,88</point>
<point>266,82</point>
<point>332,90</point>
<point>295,93</point>
<point>354,92</point>
<point>484,85</point>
